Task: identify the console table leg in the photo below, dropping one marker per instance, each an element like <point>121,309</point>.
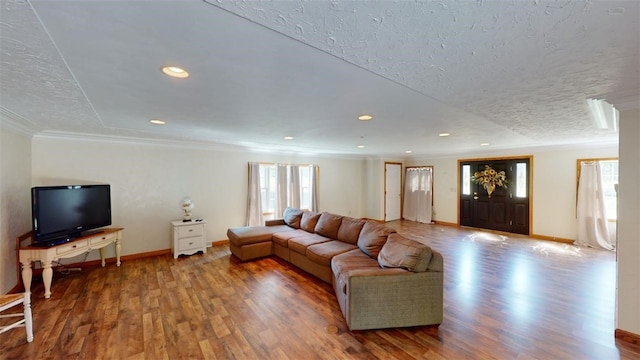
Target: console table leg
<point>102,256</point>
<point>47,277</point>
<point>26,276</point>
<point>117,252</point>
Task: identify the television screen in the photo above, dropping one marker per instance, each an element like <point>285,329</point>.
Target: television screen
<point>61,213</point>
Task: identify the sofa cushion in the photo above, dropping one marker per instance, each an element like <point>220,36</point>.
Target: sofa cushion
<point>292,217</point>
<point>344,264</point>
<point>309,220</point>
<point>400,252</point>
<point>324,252</point>
<point>372,237</point>
<point>299,244</point>
<point>350,230</point>
<point>328,225</point>
<point>282,238</point>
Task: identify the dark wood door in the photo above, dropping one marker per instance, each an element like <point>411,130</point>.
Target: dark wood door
<point>507,208</point>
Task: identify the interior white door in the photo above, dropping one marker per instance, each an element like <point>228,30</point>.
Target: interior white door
<point>392,191</point>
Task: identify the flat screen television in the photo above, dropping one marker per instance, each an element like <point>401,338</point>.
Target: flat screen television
<point>63,213</point>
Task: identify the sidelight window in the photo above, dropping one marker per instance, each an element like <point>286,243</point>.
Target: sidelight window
<point>521,180</point>
<point>466,179</point>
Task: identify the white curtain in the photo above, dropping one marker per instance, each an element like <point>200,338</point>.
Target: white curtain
<point>294,186</point>
<point>281,192</point>
<point>254,202</point>
<point>592,218</point>
<point>417,195</point>
<point>314,188</point>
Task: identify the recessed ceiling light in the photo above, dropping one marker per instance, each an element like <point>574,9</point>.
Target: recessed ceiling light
<point>175,72</point>
<point>443,134</point>
<point>360,146</point>
<point>484,144</point>
<point>288,137</point>
<point>408,151</point>
<point>157,121</point>
<point>365,117</point>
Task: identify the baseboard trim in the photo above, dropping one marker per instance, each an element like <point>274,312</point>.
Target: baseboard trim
<point>627,336</point>
<point>532,236</point>
<point>124,258</point>
<point>444,223</point>
<point>220,242</point>
<point>37,272</point>
<point>552,238</point>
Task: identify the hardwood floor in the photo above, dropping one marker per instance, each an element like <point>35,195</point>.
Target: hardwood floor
<point>505,298</point>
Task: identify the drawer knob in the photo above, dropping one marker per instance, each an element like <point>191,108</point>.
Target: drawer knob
<point>190,230</point>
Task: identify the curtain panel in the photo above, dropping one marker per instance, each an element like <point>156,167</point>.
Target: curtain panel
<point>294,186</point>
<point>591,212</point>
<point>418,194</point>
<point>254,201</point>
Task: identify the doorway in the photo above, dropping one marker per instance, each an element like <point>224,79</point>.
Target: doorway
<point>507,208</point>
<point>392,191</point>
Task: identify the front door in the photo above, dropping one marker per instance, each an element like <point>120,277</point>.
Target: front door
<point>506,208</point>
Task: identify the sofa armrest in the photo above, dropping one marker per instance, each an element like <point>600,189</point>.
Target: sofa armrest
<point>275,222</point>
<point>388,298</point>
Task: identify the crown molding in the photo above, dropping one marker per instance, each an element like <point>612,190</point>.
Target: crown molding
<point>15,123</point>
<point>183,144</point>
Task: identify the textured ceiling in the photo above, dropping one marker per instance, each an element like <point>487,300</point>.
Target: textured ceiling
<point>515,74</point>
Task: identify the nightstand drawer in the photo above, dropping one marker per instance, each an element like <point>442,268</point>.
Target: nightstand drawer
<point>190,230</point>
<point>190,243</point>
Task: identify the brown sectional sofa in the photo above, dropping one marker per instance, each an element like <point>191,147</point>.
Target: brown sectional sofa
<point>380,278</point>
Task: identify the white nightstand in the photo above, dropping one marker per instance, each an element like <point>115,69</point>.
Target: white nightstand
<point>188,237</point>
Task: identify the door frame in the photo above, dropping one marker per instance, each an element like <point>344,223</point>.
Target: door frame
<point>489,159</point>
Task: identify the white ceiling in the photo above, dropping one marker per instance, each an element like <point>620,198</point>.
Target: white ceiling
<point>515,74</point>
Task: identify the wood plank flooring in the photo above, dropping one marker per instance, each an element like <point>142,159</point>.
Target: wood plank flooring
<point>505,298</point>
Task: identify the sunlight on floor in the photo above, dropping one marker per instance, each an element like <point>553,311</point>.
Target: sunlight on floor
<point>487,237</point>
<point>547,247</point>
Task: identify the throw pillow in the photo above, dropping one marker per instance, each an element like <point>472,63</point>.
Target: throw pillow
<point>372,238</point>
<point>309,220</point>
<point>400,252</point>
<point>292,217</point>
<point>328,225</point>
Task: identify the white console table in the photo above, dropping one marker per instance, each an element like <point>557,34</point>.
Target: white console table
<point>47,255</point>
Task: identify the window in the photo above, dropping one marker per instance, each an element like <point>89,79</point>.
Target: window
<point>521,180</point>
<point>306,185</point>
<point>466,179</point>
<point>268,181</point>
<point>609,174</point>
<point>271,184</point>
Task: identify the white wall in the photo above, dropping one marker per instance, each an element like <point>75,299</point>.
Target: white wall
<point>148,181</point>
<point>554,188</point>
<point>374,189</point>
<point>15,203</point>
<point>628,306</point>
